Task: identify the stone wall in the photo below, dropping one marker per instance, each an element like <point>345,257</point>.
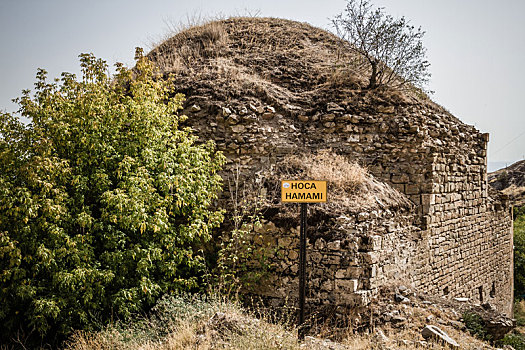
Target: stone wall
<point>345,265</point>
<point>458,240</point>
<point>469,233</point>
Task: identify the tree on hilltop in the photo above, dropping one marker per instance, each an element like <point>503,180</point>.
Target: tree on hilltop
<point>391,48</point>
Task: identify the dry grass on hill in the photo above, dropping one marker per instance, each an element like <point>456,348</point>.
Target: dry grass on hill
<point>203,323</point>
<point>192,322</point>
<point>510,181</point>
<point>350,186</point>
<point>283,62</point>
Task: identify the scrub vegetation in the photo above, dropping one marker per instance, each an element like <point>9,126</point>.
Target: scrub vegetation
<point>104,201</point>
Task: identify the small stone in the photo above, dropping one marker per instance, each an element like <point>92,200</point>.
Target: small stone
<point>226,111</point>
<point>243,111</point>
<point>238,128</point>
<point>195,108</point>
<point>340,274</point>
<point>267,115</point>
<point>435,333</point>
<point>320,244</point>
<point>303,118</point>
<point>461,300</point>
<point>233,119</point>
<point>334,245</point>
<point>400,298</point>
<point>398,319</point>
<point>348,286</point>
<point>334,107</point>
<point>353,138</point>
<point>386,109</point>
<point>380,337</point>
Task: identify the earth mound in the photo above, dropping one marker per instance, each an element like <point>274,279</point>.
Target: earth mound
<point>510,181</point>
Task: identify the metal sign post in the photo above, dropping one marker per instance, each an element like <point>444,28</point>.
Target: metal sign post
<point>304,192</point>
<point>302,269</point>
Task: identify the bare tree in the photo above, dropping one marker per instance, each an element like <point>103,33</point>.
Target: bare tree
<point>392,48</point>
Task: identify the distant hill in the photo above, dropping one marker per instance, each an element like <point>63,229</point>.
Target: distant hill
<point>511,181</point>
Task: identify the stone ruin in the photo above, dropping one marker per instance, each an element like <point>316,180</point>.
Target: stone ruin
<point>264,89</point>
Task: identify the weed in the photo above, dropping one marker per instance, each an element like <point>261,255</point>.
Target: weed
<point>476,325</point>
<point>517,341</point>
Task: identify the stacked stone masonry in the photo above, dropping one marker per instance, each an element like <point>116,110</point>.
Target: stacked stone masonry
<point>456,242</point>
<point>266,88</point>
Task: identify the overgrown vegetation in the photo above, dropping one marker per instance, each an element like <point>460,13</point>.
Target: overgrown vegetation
<point>519,312</point>
<point>241,264</point>
<point>104,201</point>
<point>519,252</point>
<point>391,48</point>
<point>476,325</point>
<point>349,184</point>
<point>192,322</point>
<point>517,341</point>
<point>210,322</point>
<point>343,175</point>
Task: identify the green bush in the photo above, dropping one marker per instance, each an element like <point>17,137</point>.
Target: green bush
<point>475,325</point>
<point>517,341</point>
<point>519,253</point>
<point>104,200</point>
<point>519,312</point>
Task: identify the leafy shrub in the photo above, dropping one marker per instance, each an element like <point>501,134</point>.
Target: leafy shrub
<point>242,264</point>
<point>104,200</point>
<point>475,325</point>
<point>517,341</point>
<point>519,252</point>
<point>519,312</point>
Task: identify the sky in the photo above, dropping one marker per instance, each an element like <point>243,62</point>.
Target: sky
<point>476,47</point>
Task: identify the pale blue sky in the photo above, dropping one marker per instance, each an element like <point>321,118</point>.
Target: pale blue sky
<point>476,47</point>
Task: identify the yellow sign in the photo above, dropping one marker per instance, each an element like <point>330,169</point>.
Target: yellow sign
<point>300,191</point>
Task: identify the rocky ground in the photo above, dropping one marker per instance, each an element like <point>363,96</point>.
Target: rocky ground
<point>511,181</point>
<point>402,318</point>
<point>398,318</point>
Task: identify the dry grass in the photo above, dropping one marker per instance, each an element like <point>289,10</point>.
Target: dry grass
<point>197,323</point>
<point>203,324</point>
<point>350,186</point>
<point>194,43</point>
<point>339,171</point>
<point>282,62</point>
